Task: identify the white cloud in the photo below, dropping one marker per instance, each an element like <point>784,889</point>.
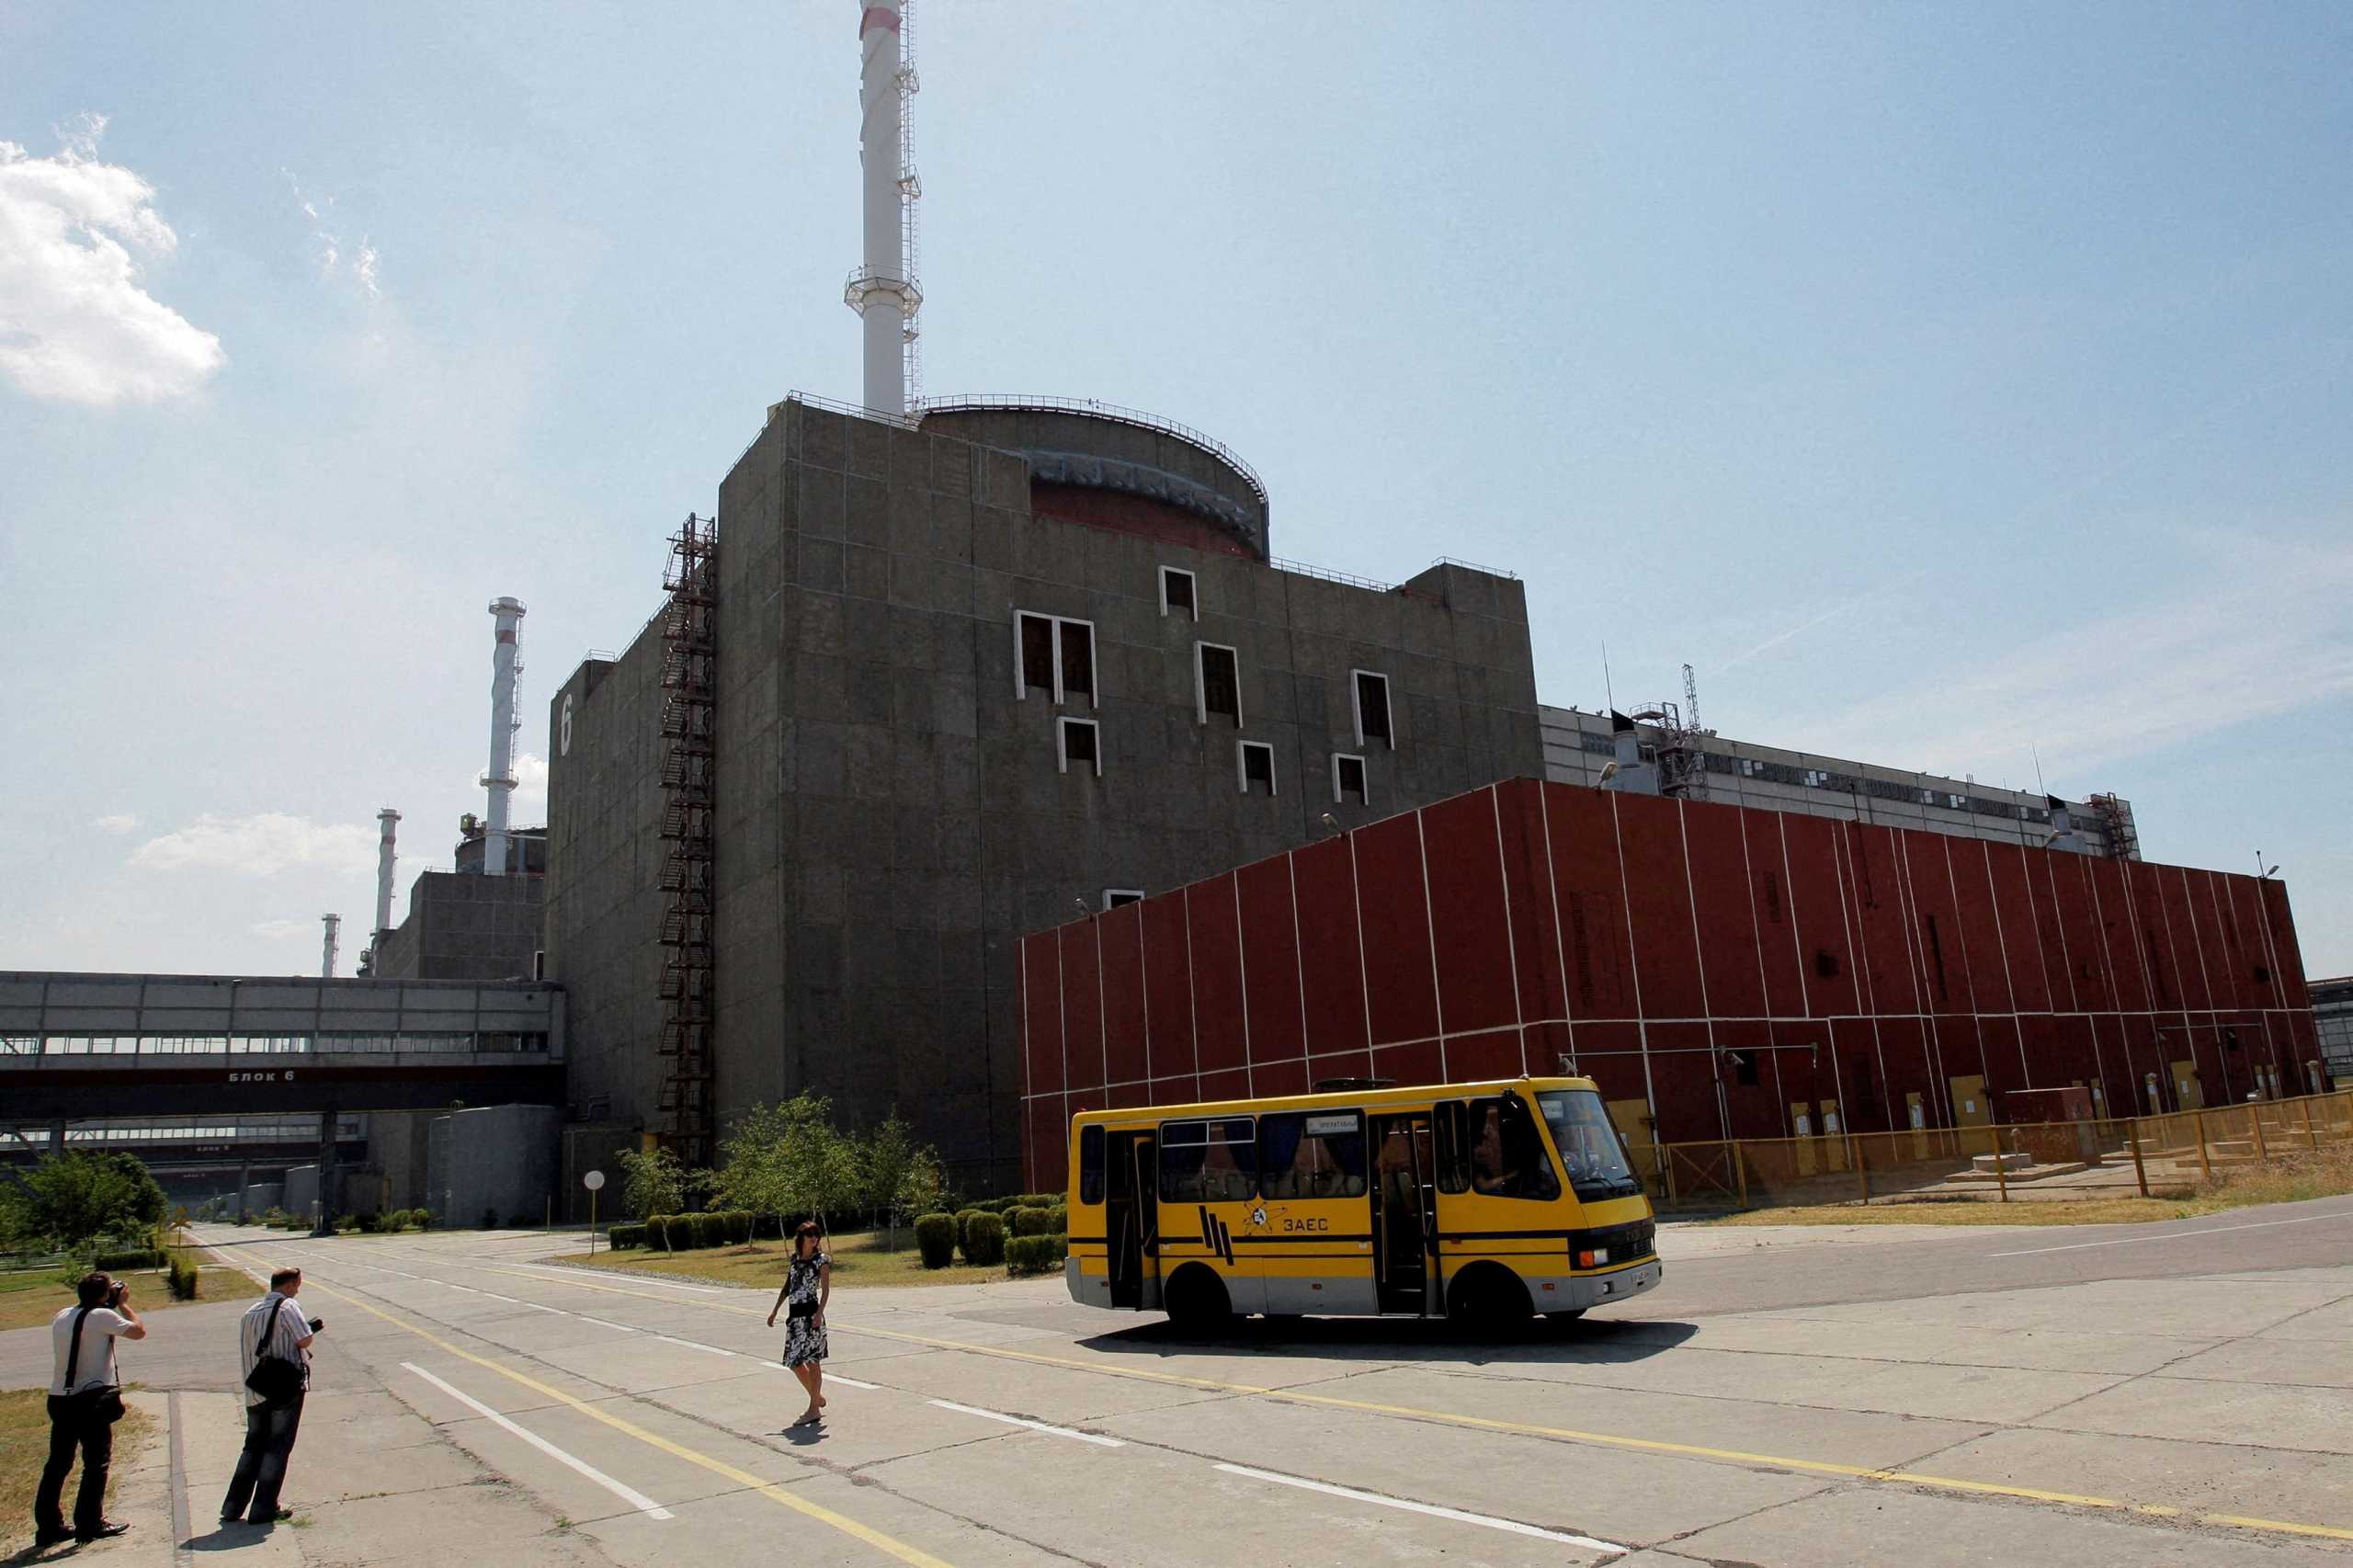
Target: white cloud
<point>327,246</point>
<point>286,930</point>
<point>74,323</point>
<point>531,807</point>
<point>260,845</point>
<point>2267,631</point>
<point>122,822</point>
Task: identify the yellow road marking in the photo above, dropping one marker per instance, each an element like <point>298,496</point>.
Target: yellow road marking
<point>746,1479</point>
<point>1522,1428</point>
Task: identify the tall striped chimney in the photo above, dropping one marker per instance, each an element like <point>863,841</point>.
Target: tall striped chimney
<point>327,952</point>
<point>883,290</point>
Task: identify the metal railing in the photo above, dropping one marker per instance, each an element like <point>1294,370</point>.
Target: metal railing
<point>1092,408</point>
<point>2168,1156</point>
<point>489,1042</point>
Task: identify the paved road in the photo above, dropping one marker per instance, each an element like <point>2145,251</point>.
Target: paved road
<point>1793,1397</point>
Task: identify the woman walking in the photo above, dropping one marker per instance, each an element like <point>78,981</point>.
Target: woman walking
<point>807,1285</point>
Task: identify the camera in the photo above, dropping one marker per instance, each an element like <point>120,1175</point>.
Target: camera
<point>317,1323</point>
<point>118,1292</point>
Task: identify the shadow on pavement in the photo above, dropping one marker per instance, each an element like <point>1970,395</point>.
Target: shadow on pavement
<point>228,1537</point>
<point>1380,1339</point>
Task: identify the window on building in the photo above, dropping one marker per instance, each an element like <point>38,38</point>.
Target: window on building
<point>1347,780</point>
<point>1255,764</point>
<point>1079,659</point>
<point>1056,658</point>
<point>1311,1155</point>
<point>1217,684</point>
<point>1208,1162</point>
<point>1080,746</point>
<point>1372,709</point>
<point>1114,897</point>
<point>1037,653</point>
<point>1178,592</point>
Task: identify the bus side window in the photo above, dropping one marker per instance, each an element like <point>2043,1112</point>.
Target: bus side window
<point>1208,1162</point>
<point>1318,1156</point>
<point>1449,1121</point>
<point>1090,1164</point>
<point>1507,1158</point>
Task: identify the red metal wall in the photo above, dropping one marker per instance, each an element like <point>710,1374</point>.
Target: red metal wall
<point>1645,940</point>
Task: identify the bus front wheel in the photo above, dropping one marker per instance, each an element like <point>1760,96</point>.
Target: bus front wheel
<point>1488,1296</point>
<point>1196,1301</point>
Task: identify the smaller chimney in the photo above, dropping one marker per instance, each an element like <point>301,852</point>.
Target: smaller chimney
<point>2063,827</point>
<point>386,820</point>
<point>327,955</point>
<point>1629,771</point>
<point>507,613</point>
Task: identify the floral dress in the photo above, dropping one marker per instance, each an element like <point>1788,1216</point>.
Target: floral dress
<point>803,1340</point>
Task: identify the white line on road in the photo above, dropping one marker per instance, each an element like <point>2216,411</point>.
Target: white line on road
<point>1033,1426</point>
<point>2177,1235</point>
<point>600,1322</point>
<point>711,1349</point>
<point>628,1494</point>
<point>496,1297</point>
<point>1457,1515</point>
<point>830,1377</point>
<point>609,1274</point>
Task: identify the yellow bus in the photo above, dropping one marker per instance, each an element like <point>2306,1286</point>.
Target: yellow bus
<point>1480,1201</point>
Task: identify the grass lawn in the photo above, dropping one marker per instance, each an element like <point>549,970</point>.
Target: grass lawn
<point>24,1448</point>
<point>37,1300</point>
<point>859,1258</point>
<point>2325,1173</point>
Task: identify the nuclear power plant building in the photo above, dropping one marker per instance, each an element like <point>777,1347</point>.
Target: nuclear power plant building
<point>939,680</point>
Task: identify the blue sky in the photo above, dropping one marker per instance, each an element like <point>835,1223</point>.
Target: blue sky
<point>1948,384</point>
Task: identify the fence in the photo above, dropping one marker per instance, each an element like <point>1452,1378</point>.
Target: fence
<point>2145,1156</point>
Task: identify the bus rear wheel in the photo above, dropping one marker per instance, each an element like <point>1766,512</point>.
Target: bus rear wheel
<point>1196,1301</point>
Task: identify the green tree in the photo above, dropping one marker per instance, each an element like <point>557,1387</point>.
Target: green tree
<point>789,1159</point>
<point>651,1183</point>
<point>72,1201</point>
<point>898,1178</point>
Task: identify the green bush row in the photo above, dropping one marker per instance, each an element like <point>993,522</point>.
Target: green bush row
<point>1019,1201</point>
<point>183,1278</point>
<point>1035,1255</point>
<point>128,1258</point>
<point>685,1232</point>
<point>624,1237</point>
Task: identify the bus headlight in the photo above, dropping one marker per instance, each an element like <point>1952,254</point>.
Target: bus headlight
<point>1592,1259</point>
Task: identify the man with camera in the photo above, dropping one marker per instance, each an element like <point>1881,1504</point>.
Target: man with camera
<point>274,1343</point>
<point>84,1402</point>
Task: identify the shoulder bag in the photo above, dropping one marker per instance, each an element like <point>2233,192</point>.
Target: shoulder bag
<point>103,1403</point>
<point>275,1377</point>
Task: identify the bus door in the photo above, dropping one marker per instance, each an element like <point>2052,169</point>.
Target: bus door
<point>1131,1220</point>
<point>1404,1212</point>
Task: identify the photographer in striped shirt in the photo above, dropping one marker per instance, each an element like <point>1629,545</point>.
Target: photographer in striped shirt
<point>274,1347</point>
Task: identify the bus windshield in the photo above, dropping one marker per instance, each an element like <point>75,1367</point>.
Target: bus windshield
<point>1590,1152</point>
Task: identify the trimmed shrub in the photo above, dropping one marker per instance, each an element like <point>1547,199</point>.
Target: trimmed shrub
<point>1030,1222</point>
<point>183,1278</point>
<point>964,1221</point>
<point>676,1231</point>
<point>626,1237</point>
<point>739,1226</point>
<point>710,1230</point>
<point>984,1241</point>
<point>1035,1255</point>
<point>346,1222</point>
<point>128,1259</point>
<point>768,1227</point>
<point>1058,1218</point>
<point>936,1239</point>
